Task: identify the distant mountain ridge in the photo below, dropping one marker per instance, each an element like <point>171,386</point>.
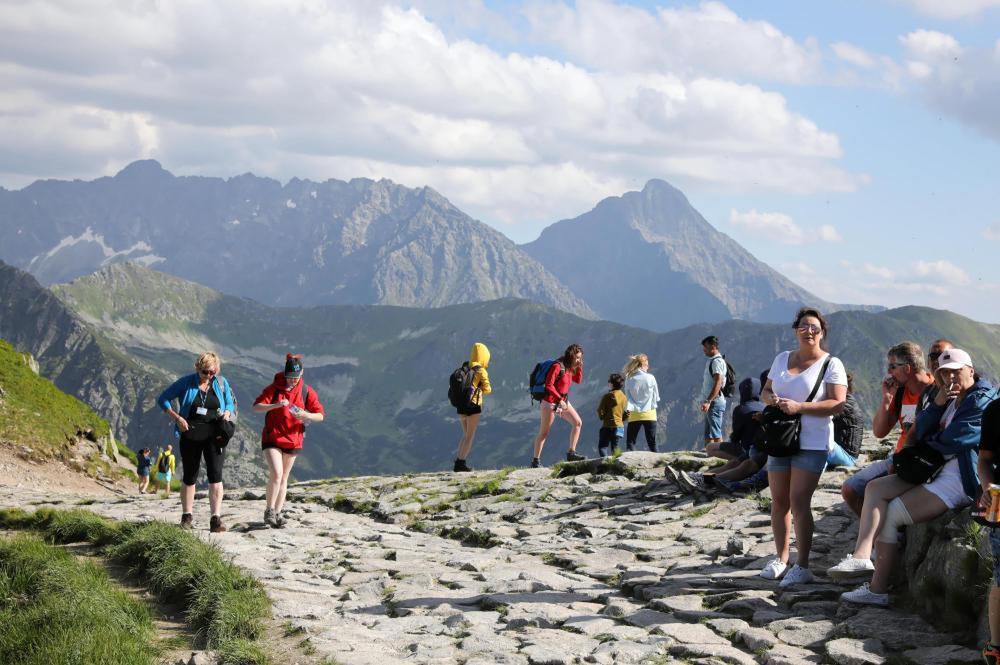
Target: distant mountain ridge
<point>382,371</point>
<point>304,243</point>
<point>653,261</point>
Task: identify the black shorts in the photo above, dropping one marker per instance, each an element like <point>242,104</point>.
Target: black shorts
<point>286,451</point>
<point>471,410</point>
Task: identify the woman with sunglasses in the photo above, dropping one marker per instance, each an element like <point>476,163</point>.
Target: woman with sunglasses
<point>793,479</point>
<point>203,399</point>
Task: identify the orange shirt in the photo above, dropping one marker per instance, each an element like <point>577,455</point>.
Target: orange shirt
<point>907,416</point>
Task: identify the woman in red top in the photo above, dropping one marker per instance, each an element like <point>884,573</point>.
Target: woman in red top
<point>568,369</point>
<point>289,405</point>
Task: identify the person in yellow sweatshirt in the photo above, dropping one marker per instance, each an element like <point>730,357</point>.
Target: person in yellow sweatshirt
<point>472,408</point>
<point>166,465</point>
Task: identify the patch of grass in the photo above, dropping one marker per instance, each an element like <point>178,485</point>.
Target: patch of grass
<point>698,512</point>
<point>882,452</point>
<point>974,534</point>
<point>763,501</point>
<point>224,606</point>
<point>489,486</point>
<point>242,652</point>
<point>55,609</point>
<point>469,536</point>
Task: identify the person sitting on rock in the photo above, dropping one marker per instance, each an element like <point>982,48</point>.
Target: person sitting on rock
<point>903,395</point>
<point>748,460</point>
<point>949,425</point>
<point>744,426</point>
<point>989,457</point>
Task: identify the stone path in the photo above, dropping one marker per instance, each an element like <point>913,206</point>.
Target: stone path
<point>615,565</point>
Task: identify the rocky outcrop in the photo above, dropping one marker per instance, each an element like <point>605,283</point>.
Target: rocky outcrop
<point>596,563</point>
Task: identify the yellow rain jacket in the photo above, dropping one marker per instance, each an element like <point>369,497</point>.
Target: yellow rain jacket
<point>480,357</point>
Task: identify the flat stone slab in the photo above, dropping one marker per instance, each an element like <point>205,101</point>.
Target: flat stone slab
<point>944,655</point>
<point>847,651</point>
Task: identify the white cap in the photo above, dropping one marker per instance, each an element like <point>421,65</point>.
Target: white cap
<point>954,359</point>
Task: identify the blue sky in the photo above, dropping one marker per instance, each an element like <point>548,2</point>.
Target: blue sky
<point>853,146</point>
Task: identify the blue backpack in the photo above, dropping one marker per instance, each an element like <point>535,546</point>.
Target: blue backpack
<point>536,379</point>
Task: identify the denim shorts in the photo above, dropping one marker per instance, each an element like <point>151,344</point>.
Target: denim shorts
<point>995,546</point>
<point>859,481</point>
<point>813,461</point>
<point>713,418</point>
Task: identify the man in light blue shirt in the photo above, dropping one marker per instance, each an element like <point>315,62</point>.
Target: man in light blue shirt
<point>712,401</point>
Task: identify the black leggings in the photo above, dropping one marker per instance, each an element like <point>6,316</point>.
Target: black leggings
<point>191,454</point>
<point>632,434</point>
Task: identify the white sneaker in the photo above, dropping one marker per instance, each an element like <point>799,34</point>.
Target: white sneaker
<point>850,568</point>
<point>864,596</point>
<point>774,569</point>
<point>797,575</point>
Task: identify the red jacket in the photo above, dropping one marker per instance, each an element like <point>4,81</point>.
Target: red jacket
<point>280,426</point>
<point>557,391</point>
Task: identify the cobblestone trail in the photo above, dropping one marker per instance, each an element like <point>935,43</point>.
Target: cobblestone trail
<point>613,565</point>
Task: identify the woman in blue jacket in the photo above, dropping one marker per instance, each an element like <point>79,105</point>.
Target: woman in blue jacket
<point>643,396</point>
<point>204,398</point>
<point>950,425</point>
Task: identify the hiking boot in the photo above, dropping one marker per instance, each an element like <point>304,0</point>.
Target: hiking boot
<point>774,569</point>
<point>535,463</point>
<point>851,568</point>
<point>692,481</point>
<point>216,525</point>
<point>187,521</point>
<point>796,575</point>
<point>280,520</point>
<point>269,518</point>
<point>864,596</point>
<point>573,456</point>
<point>991,654</point>
<point>461,466</point>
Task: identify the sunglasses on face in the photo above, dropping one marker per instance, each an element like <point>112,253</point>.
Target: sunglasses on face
<point>893,366</point>
<point>207,372</point>
<point>808,328</point>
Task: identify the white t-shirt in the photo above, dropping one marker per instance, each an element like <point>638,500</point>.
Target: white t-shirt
<point>817,431</point>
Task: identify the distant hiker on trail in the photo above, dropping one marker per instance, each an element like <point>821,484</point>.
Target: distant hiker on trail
<point>289,404</point>
<point>142,463</point>
<point>611,410</point>
<point>811,384</point>
<point>166,464</point>
<point>712,401</point>
<point>466,389</point>
<point>643,396</point>
<point>205,399</point>
<point>848,431</point>
<point>561,373</point>
<point>905,392</point>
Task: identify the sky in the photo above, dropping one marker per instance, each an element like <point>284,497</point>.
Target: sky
<point>853,146</point>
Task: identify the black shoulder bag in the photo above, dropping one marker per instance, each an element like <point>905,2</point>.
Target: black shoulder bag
<point>779,432</point>
<point>918,463</point>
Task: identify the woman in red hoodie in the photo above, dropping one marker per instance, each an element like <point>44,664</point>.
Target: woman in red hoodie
<point>289,404</point>
<point>567,369</point>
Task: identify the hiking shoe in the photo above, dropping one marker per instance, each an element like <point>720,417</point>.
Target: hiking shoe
<point>573,456</point>
<point>692,480</point>
<point>991,654</point>
<point>796,575</point>
<point>216,525</point>
<point>280,520</point>
<point>864,596</point>
<point>535,463</point>
<point>850,568</point>
<point>187,521</point>
<point>461,466</point>
<point>774,569</point>
<point>269,518</point>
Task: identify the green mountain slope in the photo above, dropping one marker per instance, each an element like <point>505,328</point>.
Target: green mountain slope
<point>382,371</point>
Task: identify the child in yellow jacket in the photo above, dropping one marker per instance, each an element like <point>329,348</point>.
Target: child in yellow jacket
<point>611,411</point>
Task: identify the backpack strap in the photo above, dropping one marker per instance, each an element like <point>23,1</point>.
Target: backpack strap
<point>819,379</point>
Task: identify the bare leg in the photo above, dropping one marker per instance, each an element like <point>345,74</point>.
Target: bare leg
<point>215,492</point>
<point>803,485</point>
<point>923,506</point>
<point>187,497</point>
<point>469,425</point>
<point>853,500</point>
<point>738,471</point>
<point>544,425</point>
<point>287,462</point>
<point>570,415</point>
<point>781,511</point>
<point>878,494</point>
<point>275,470</point>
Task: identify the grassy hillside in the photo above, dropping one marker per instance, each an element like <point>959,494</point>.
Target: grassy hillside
<point>33,412</point>
<point>382,371</point>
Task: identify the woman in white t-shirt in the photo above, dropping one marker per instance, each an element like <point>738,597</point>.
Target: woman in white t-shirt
<point>793,479</point>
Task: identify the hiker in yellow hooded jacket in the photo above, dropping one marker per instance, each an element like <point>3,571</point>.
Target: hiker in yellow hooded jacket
<point>468,414</point>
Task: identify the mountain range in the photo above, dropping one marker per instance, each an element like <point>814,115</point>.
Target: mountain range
<point>646,258</point>
<point>382,371</point>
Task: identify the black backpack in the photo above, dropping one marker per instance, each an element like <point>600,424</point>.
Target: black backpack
<point>848,428</point>
<point>729,388</point>
<point>460,388</point>
<point>164,465</point>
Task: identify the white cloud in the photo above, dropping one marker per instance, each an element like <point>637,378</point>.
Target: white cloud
<point>992,232</point>
<point>854,55</point>
<point>781,227</point>
<point>943,271</point>
<point>343,89</point>
<point>931,45</point>
<point>952,9</point>
<point>708,39</point>
<point>878,271</point>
